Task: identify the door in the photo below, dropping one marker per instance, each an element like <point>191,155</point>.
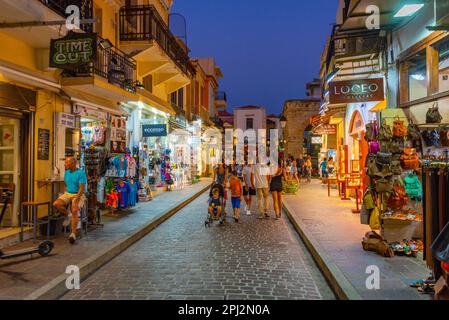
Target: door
<point>9,164</point>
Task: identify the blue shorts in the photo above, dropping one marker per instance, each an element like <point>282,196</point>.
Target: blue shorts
<point>236,202</point>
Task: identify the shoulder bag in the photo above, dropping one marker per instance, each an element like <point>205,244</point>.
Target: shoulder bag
<point>385,133</point>
<point>399,129</point>
<point>410,159</point>
<point>433,114</point>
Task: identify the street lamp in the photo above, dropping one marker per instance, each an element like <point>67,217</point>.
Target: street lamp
<point>283,122</point>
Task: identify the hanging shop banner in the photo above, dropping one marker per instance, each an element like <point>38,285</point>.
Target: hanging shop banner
<point>154,130</point>
<point>74,50</point>
<point>65,120</point>
<point>43,144</point>
<point>326,129</point>
<point>90,113</point>
<point>354,91</point>
<point>317,140</point>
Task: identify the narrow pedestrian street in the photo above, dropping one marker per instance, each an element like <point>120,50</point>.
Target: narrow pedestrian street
<point>182,260</point>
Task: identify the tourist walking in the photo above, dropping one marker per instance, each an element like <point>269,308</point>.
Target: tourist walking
<point>277,187</point>
<point>236,195</point>
<point>294,171</point>
<point>221,177</point>
<point>324,172</point>
<point>261,178</point>
<point>308,169</point>
<point>249,189</point>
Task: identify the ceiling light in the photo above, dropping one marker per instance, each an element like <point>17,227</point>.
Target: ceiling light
<point>408,10</point>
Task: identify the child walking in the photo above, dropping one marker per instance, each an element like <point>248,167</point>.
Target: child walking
<point>236,194</point>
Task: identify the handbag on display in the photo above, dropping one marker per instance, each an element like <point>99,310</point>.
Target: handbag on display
<point>413,187</point>
<point>374,221</point>
<point>440,247</point>
<point>433,114</point>
<point>393,146</point>
<point>374,147</point>
<point>410,159</point>
<point>398,198</point>
<point>372,131</point>
<point>399,128</point>
<point>444,137</point>
<point>414,134</point>
<point>396,167</point>
<point>383,158</point>
<point>364,215</point>
<point>385,133</point>
<point>368,200</point>
<point>371,164</point>
<point>384,185</point>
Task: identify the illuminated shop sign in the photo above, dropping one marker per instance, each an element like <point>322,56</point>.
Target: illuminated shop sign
<point>354,91</point>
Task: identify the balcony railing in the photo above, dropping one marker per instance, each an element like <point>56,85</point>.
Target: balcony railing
<point>143,23</point>
<point>112,64</point>
<point>221,96</point>
<point>354,46</point>
<point>85,6</point>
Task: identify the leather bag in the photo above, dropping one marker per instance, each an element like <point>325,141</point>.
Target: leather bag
<point>410,159</point>
<point>384,185</point>
<point>433,114</point>
<point>398,198</point>
<point>385,133</point>
<point>399,128</point>
<point>396,167</point>
<point>372,131</point>
<point>444,137</point>
<point>374,147</point>
<point>414,132</point>
<point>368,200</point>
<point>383,158</point>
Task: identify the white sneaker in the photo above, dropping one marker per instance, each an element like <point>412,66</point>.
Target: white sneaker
<point>67,220</point>
<point>248,212</point>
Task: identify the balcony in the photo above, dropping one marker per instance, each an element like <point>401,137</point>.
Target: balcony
<point>221,100</point>
<point>59,6</point>
<point>111,65</point>
<point>26,11</point>
<point>144,25</point>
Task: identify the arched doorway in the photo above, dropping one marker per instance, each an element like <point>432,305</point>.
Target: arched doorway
<point>358,146</point>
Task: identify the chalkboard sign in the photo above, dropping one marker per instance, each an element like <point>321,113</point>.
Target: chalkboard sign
<point>43,147</point>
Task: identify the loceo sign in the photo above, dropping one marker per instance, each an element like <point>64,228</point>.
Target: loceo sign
<point>354,91</point>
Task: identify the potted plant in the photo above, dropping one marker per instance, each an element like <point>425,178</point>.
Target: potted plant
<point>290,188</point>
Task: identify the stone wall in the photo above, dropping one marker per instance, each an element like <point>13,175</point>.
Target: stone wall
<point>298,114</point>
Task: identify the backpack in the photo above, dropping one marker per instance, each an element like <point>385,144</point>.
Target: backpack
<point>413,187</point>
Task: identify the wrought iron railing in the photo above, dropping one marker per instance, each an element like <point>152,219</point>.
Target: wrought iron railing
<point>143,23</point>
<point>60,6</point>
<point>112,64</point>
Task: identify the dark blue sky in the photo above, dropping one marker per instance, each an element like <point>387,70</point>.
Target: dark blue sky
<point>267,50</point>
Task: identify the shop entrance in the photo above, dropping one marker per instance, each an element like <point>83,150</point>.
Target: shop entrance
<point>10,164</point>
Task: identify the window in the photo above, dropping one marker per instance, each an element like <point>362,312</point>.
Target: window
<point>181,98</point>
<point>415,74</point>
<point>443,65</point>
<point>249,123</point>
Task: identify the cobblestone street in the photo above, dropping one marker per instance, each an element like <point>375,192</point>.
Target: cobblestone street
<point>182,260</point>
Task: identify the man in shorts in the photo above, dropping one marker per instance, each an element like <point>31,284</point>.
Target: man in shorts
<point>75,183</point>
<point>249,190</point>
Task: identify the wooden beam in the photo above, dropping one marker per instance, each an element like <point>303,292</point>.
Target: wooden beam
<point>403,83</point>
<point>432,62</point>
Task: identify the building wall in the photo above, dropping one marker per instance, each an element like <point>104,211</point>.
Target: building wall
<point>259,116</point>
<point>298,114</point>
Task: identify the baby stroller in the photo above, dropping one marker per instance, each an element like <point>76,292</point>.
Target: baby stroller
<point>209,219</point>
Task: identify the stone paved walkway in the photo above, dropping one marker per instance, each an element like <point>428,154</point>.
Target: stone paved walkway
<point>254,259</point>
<point>20,277</point>
<point>339,233</point>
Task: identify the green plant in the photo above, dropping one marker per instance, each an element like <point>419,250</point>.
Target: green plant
<point>290,188</point>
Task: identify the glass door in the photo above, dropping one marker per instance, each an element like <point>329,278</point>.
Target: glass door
<point>9,164</point>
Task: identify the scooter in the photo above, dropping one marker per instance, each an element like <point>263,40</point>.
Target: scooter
<point>44,249</point>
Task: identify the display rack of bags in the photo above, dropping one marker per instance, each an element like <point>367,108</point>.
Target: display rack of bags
<point>394,190</point>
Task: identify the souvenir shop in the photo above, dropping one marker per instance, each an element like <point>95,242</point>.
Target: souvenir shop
<point>110,166</point>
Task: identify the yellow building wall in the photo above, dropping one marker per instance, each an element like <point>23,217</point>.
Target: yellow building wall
<point>22,54</point>
<point>47,104</point>
<point>109,23</point>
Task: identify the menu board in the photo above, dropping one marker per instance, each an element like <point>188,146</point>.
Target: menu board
<point>43,146</point>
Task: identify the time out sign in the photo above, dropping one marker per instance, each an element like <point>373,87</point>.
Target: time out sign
<point>74,50</point>
<point>354,91</point>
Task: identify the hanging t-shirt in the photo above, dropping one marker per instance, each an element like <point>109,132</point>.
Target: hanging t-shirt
<point>132,167</point>
<point>133,190</point>
<point>98,135</point>
<point>123,194</point>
